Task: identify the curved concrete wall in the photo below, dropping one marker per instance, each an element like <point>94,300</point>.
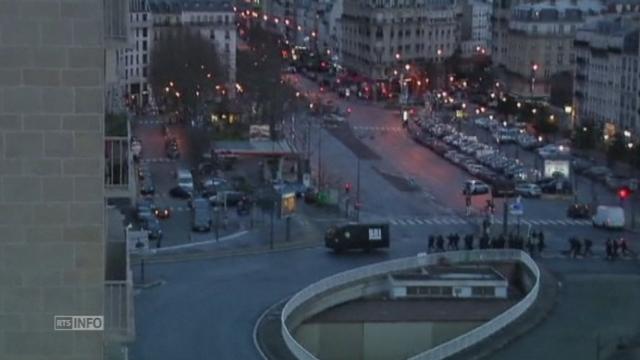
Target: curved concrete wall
<point>349,285</point>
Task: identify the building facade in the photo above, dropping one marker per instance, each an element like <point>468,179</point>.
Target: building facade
<point>378,37</point>
<point>539,42</point>
<point>475,28</point>
<point>607,76</point>
<point>52,106</point>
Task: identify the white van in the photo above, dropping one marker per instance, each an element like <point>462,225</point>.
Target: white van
<point>185,180</point>
<point>609,217</point>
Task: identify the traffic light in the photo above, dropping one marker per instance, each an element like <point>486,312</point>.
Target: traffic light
<point>347,188</point>
<point>624,192</point>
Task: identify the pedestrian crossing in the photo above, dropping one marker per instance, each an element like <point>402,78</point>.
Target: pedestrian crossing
<point>457,220</point>
<point>151,122</point>
<point>158,160</point>
<point>378,128</point>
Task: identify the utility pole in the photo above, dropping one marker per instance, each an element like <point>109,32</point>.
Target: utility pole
<point>358,190</point>
<point>505,217</point>
<point>320,159</point>
<point>273,213</point>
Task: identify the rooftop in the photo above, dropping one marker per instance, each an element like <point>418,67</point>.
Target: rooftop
<point>178,6</point>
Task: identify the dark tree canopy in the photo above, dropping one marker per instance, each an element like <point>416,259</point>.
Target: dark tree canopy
<point>191,63</point>
<point>561,93</point>
<point>259,70</point>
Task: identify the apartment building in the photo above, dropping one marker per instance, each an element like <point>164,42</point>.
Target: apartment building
<point>134,59</point>
<point>52,106</point>
<point>378,37</point>
<point>475,28</point>
<point>607,75</point>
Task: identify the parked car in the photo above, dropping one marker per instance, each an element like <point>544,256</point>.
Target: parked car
<point>201,217</point>
<point>502,187</point>
<point>555,186</point>
<point>475,187</point>
<point>528,190</point>
<point>147,187</point>
<point>152,225</point>
<point>180,193</point>
<point>579,211</point>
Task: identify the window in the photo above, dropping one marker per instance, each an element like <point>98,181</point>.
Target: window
<point>144,71</point>
<point>483,291</point>
<point>144,59</point>
<point>226,34</point>
<point>144,45</point>
<point>144,32</point>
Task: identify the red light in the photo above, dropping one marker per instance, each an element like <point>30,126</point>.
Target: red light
<point>347,187</point>
<point>624,193</point>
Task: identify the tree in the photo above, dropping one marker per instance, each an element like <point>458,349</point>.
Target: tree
<point>585,135</point>
<point>616,150</point>
<point>184,71</point>
<point>259,71</point>
<point>561,92</point>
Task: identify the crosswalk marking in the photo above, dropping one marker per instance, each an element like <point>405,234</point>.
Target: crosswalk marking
<point>457,220</point>
<point>157,160</point>
<point>378,128</point>
<point>150,122</point>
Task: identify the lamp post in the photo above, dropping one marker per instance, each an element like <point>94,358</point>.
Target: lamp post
<point>534,69</point>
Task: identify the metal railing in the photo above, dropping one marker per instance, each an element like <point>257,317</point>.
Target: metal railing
<point>118,309</point>
<point>314,291</point>
<point>119,174</point>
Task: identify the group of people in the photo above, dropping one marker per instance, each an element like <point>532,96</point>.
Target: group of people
<point>614,248</point>
<point>534,242</point>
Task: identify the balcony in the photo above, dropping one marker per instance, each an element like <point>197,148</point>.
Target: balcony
<point>116,14</point>
<point>118,302</point>
<point>119,179</point>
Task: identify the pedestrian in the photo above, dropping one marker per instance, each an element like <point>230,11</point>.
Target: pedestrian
<point>440,243</point>
<point>450,241</point>
<point>530,246</point>
<point>624,250</point>
<point>484,241</point>
<point>609,247</point>
<point>615,245</point>
<point>468,242</point>
<point>501,241</point>
<point>511,242</point>
<point>541,244</point>
<point>456,241</point>
<point>572,247</point>
<point>578,247</point>
<point>430,242</point>
<point>587,247</point>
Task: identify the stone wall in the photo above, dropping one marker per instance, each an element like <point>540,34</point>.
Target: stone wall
<point>51,176</point>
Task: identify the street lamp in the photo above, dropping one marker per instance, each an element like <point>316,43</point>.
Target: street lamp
<point>627,133</point>
<point>518,104</point>
<point>397,56</point>
<point>407,67</point>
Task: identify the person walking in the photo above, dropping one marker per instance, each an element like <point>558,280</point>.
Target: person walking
<point>541,244</point>
<point>431,242</point>
<point>468,242</point>
<point>530,246</point>
<point>615,246</point>
<point>440,243</point>
<point>456,241</point>
<point>587,247</point>
<point>609,248</point>
<point>624,250</point>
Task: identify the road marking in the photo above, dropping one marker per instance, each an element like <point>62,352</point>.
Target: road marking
<point>410,222</point>
<point>157,160</point>
<point>206,242</point>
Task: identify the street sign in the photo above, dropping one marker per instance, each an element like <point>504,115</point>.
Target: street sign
<point>516,209</point>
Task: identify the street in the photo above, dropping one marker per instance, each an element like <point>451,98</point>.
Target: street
<point>207,308</point>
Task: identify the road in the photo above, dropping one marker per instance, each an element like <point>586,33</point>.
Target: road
<point>207,309</point>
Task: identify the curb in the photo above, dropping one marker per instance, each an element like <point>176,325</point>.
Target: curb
<point>149,285</point>
<point>257,250</point>
<point>259,322</point>
<point>196,244</point>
